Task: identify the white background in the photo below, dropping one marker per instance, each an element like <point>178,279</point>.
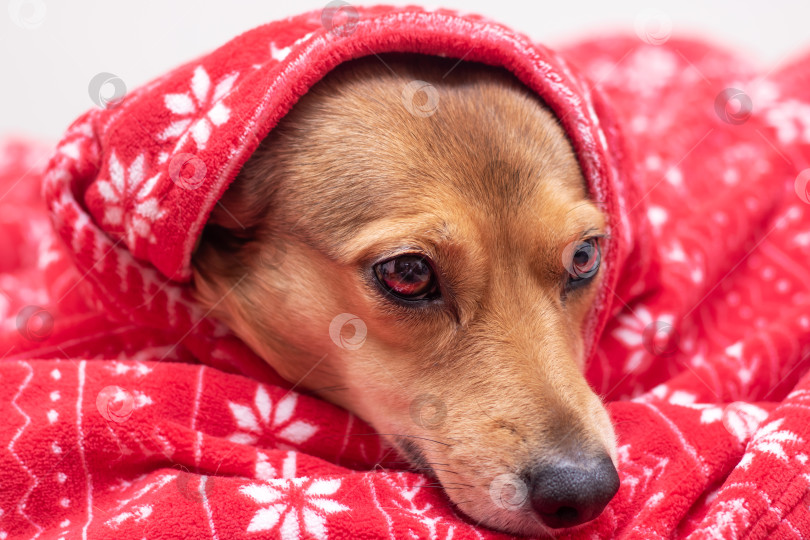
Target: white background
<point>45,70</point>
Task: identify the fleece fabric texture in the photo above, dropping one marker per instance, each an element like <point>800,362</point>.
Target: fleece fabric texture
<point>129,414</point>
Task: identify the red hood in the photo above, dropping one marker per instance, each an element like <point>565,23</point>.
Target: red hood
<point>132,184</point>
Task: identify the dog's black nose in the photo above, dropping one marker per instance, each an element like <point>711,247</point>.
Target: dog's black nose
<point>569,493</point>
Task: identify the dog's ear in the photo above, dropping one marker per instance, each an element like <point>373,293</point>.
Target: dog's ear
<point>242,212</point>
<point>240,219</point>
<point>246,203</point>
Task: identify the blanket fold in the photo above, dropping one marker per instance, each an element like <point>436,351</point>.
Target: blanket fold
<point>130,414</point>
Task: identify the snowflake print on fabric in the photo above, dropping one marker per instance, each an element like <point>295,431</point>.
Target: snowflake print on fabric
<point>771,439</point>
<point>703,311</point>
<point>262,416</point>
<point>731,516</point>
<point>131,206</point>
<point>422,519</point>
<point>640,472</point>
<point>789,118</point>
<point>297,508</point>
<point>200,103</point>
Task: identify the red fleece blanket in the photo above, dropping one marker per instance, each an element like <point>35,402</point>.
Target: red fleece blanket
<point>128,414</point>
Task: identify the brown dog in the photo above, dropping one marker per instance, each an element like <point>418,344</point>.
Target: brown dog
<point>443,207</point>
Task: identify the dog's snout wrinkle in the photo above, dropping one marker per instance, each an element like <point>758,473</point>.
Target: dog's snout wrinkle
<point>570,492</point>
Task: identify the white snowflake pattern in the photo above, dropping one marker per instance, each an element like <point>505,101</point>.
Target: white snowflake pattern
<point>771,439</point>
<point>200,108</point>
<point>139,513</point>
<point>296,504</point>
<point>131,204</point>
<point>256,419</point>
<point>640,472</point>
<point>790,120</point>
<point>432,524</point>
<point>709,413</point>
<point>729,517</point>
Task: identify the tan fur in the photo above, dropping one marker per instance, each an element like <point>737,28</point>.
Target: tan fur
<point>489,188</point>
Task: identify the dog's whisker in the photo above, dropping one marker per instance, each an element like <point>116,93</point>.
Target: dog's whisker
<point>401,435</point>
<point>486,519</point>
<point>335,388</point>
<point>426,462</point>
<point>442,470</point>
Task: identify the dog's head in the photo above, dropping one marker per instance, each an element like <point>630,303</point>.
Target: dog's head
<point>415,242</point>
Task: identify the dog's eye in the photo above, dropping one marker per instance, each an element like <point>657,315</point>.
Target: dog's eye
<point>408,277</point>
<point>585,259</point>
